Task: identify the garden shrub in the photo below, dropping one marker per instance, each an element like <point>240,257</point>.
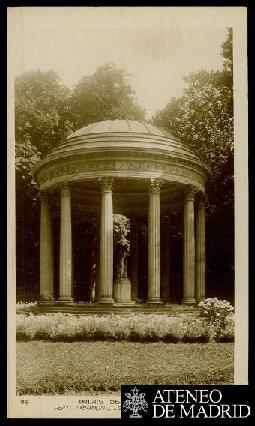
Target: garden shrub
<point>218,317</point>
<point>20,306</point>
<point>136,327</point>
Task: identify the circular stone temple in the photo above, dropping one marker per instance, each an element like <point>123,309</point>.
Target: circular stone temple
<point>131,168</point>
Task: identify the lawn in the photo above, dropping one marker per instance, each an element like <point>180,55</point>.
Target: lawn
<point>69,368</point>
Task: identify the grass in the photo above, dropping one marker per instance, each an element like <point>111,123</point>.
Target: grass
<point>69,368</point>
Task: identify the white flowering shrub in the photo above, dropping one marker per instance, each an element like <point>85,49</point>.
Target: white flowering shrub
<point>218,316</point>
<point>20,306</point>
<point>136,327</point>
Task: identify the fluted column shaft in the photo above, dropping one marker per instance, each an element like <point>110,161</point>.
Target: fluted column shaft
<point>65,261</point>
<point>133,259</point>
<point>98,257</point>
<point>46,252</point>
<point>165,273</point>
<point>200,250</point>
<point>154,243</point>
<point>105,291</point>
<point>189,248</point>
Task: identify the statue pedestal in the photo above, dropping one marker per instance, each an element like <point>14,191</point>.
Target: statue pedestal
<point>122,290</point>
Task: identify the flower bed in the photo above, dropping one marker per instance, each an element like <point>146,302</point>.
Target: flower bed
<point>136,327</point>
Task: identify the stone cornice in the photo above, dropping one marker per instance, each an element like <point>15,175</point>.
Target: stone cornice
<point>120,154</point>
<point>81,168</point>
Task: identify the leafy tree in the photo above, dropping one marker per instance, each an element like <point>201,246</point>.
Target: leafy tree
<point>27,156</point>
<point>42,120</point>
<point>42,114</point>
<point>105,95</point>
<point>227,51</point>
<point>203,119</point>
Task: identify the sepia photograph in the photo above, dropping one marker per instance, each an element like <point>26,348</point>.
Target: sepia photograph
<point>127,197</point>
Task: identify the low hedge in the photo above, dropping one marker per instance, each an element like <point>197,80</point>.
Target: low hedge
<point>137,327</point>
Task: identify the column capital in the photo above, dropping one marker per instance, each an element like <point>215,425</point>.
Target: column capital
<point>106,183</point>
<point>65,190</point>
<point>154,185</point>
<point>190,192</point>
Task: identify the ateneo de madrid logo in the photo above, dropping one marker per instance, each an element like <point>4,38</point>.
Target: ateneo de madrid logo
<point>135,402</point>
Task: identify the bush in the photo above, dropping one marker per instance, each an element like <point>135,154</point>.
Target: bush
<point>20,306</point>
<point>136,327</point>
<point>218,317</point>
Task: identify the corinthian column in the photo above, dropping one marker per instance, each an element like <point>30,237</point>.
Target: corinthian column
<point>166,260</point>
<point>65,261</point>
<point>97,256</point>
<point>200,249</point>
<point>133,258</point>
<point>189,248</point>
<point>154,242</point>
<point>105,290</point>
<point>46,252</point>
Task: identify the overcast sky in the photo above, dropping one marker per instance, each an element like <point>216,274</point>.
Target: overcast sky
<point>155,45</point>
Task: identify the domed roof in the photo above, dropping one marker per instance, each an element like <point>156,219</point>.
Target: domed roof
<point>120,126</point>
<point>123,148</point>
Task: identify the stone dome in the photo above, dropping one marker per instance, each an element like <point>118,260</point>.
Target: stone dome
<point>124,149</point>
<point>120,126</point>
<point>121,134</point>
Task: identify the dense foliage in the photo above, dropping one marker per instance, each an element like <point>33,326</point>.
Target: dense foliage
<point>136,327</point>
<point>203,119</point>
<point>105,95</point>
<point>42,111</point>
<point>42,120</point>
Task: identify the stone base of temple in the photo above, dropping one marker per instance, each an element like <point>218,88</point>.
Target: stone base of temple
<point>169,302</point>
<point>130,303</point>
<point>105,301</point>
<point>153,302</point>
<point>189,301</point>
<point>46,301</point>
<point>116,308</point>
<point>65,300</point>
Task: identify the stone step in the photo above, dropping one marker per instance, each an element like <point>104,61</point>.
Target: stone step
<point>95,309</point>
